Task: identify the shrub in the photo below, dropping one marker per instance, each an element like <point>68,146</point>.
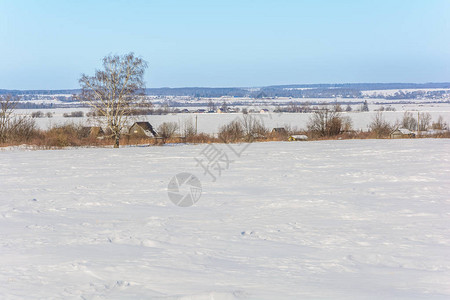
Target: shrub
<point>37,114</point>
<point>188,128</point>
<point>252,127</point>
<point>74,114</point>
<point>231,132</point>
<point>63,136</point>
<point>20,130</point>
<point>325,122</point>
<point>200,138</point>
<point>440,124</point>
<point>167,129</point>
<point>380,126</point>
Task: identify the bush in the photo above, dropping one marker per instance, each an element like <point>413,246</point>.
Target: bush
<point>167,129</point>
<point>74,114</point>
<point>232,132</point>
<point>188,128</point>
<point>253,128</point>
<point>380,126</point>
<point>200,138</point>
<point>20,130</point>
<point>325,122</point>
<point>37,114</point>
<point>440,124</point>
<point>63,136</point>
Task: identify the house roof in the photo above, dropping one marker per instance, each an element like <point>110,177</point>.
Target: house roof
<point>403,131</point>
<point>279,129</point>
<point>146,126</point>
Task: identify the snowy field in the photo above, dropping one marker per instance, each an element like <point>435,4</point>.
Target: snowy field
<point>354,219</point>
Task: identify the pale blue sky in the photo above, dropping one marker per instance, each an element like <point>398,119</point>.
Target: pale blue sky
<point>48,44</point>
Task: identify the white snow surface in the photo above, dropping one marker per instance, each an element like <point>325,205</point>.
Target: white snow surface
<point>353,219</point>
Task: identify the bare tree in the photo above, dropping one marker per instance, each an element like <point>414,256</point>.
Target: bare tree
<point>252,127</point>
<point>167,129</point>
<point>408,121</point>
<point>188,128</point>
<point>7,105</point>
<point>325,122</point>
<point>379,125</point>
<point>440,124</point>
<point>224,107</point>
<point>211,105</point>
<point>114,91</point>
<point>337,107</point>
<point>293,107</point>
<point>347,124</point>
<point>424,121</point>
<point>232,132</point>
<point>14,128</point>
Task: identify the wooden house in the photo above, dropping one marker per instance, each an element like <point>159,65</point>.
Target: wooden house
<point>142,129</point>
<point>402,133</point>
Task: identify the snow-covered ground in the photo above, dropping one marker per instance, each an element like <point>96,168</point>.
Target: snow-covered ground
<point>354,219</point>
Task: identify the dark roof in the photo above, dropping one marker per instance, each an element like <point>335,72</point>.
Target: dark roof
<point>146,126</point>
<point>403,131</point>
<point>279,129</point>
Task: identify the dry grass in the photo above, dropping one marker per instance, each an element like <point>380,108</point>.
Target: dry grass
<point>73,136</point>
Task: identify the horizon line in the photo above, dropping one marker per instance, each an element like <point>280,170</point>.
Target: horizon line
<point>244,87</point>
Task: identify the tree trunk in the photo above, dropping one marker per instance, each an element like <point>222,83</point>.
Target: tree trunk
<point>117,140</point>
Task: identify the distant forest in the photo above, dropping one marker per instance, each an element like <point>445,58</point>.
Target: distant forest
<point>345,90</point>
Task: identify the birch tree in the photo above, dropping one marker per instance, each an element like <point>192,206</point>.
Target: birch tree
<point>114,91</point>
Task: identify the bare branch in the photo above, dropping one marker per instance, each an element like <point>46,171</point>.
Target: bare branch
<point>112,92</point>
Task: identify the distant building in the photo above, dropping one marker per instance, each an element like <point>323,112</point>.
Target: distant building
<point>279,130</point>
<point>142,129</point>
<point>402,133</point>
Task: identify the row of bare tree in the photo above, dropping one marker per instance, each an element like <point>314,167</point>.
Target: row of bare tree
<point>13,128</point>
<point>117,90</point>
